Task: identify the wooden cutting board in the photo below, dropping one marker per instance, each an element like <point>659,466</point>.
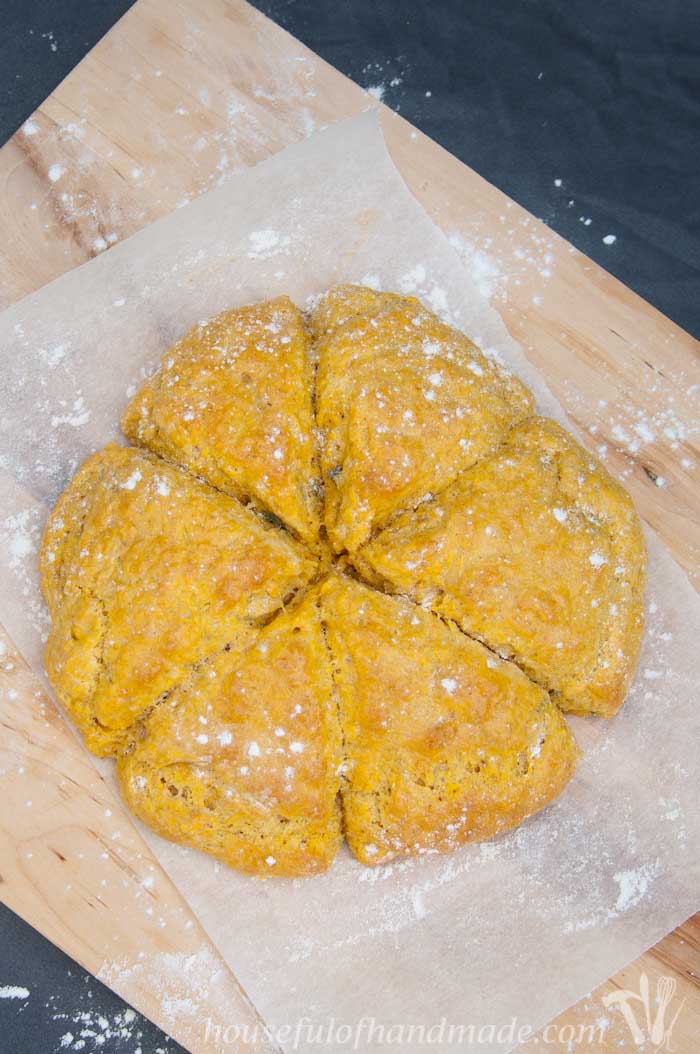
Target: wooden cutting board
<point>180,94</point>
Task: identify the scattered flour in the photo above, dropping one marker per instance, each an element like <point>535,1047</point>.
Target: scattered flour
<point>52,356</point>
<point>267,243</point>
<point>19,536</point>
<point>634,885</point>
<point>413,279</point>
<point>183,984</point>
<point>382,79</point>
<point>377,91</point>
<point>484,270</point>
<point>77,416</point>
<point>532,254</point>
<point>88,1029</point>
<point>13,991</point>
<point>55,172</point>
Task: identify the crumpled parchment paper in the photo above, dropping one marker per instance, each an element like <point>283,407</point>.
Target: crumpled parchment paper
<point>519,927</point>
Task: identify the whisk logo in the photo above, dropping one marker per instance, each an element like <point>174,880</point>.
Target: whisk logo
<point>648,1022</point>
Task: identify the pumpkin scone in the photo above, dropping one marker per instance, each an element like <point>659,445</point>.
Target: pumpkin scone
<point>232,402</point>
<point>146,572</point>
<point>445,743</point>
<point>242,761</point>
<point>404,404</point>
<point>539,553</point>
<point>342,587</point>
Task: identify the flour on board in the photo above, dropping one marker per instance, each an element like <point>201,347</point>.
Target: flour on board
<point>266,243</point>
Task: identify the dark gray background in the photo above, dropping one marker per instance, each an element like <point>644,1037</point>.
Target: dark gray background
<point>604,96</point>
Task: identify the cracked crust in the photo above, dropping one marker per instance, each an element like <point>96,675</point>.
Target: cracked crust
<point>146,572</point>
<point>445,743</point>
<point>232,402</point>
<point>539,553</point>
<point>190,636</point>
<point>243,760</point>
<point>404,404</point>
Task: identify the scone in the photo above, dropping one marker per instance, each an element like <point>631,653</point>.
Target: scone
<point>146,572</point>
<point>539,553</point>
<point>444,742</point>
<point>232,402</point>
<point>341,592</point>
<point>242,760</point>
<point>404,404</point>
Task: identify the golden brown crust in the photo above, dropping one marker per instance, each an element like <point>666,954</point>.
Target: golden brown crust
<point>232,402</point>
<point>146,571</point>
<point>445,743</point>
<point>242,761</point>
<point>537,552</point>
<point>404,403</point>
<point>260,710</point>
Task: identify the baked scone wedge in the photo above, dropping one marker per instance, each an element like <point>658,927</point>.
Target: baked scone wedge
<point>404,404</point>
<point>232,402</point>
<point>445,743</point>
<point>539,553</point>
<point>147,571</point>
<point>242,761</point>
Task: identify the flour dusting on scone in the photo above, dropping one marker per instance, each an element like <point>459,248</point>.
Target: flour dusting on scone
<point>232,402</point>
<point>147,571</point>
<point>404,404</point>
<point>539,553</point>
<point>445,743</point>
<point>242,761</point>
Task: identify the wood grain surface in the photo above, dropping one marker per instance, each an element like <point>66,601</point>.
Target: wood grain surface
<point>179,95</point>
<point>74,866</point>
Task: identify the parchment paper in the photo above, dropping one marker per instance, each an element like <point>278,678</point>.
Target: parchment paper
<point>520,927</point>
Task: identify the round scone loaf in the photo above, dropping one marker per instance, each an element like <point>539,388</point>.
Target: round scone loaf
<point>341,586</point>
